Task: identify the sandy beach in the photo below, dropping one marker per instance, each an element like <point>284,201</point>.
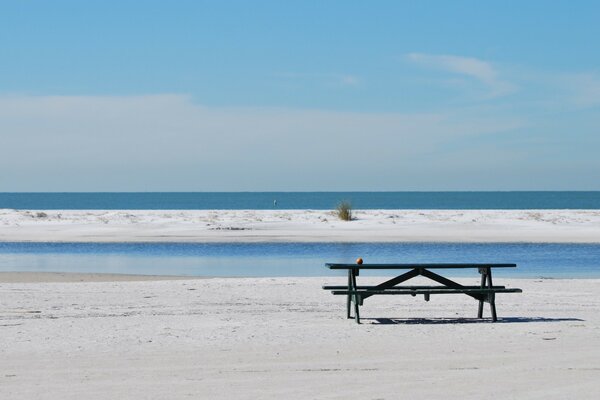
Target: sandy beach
<point>274,338</point>
<point>558,226</point>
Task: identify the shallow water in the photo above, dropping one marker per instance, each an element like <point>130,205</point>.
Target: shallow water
<point>293,259</point>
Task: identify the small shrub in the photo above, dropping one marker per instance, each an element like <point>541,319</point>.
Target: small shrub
<point>344,211</point>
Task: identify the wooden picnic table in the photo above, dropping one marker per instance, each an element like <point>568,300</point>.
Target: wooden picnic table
<point>485,292</point>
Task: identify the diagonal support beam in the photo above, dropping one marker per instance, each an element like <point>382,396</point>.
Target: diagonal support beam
<point>394,281</point>
<point>448,282</point>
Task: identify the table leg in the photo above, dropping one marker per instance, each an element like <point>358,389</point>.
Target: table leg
<point>483,273</point>
<point>356,298</point>
<point>349,299</point>
<point>492,297</point>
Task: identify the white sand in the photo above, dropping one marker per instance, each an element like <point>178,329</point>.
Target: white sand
<point>286,338</point>
<point>576,226</point>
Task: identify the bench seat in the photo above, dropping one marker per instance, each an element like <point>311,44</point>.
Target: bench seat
<point>392,291</point>
<point>345,287</point>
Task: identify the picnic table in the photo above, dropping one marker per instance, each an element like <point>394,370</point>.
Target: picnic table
<point>485,292</point>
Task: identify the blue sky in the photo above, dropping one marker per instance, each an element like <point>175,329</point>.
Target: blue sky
<point>272,95</point>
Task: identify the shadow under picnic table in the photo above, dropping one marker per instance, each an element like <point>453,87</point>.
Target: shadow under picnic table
<point>441,321</point>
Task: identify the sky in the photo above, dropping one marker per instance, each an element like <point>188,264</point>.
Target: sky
<point>299,95</point>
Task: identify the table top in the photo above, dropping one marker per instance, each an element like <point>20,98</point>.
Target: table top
<point>412,266</point>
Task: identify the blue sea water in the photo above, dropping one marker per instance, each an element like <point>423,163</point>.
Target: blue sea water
<point>301,200</point>
<point>293,259</point>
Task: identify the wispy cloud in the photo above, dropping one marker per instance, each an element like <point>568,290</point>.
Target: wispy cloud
<point>481,71</point>
<point>349,80</point>
<point>585,88</point>
<point>557,92</point>
<point>167,142</point>
<point>344,80</point>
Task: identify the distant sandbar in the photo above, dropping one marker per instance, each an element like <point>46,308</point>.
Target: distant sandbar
<point>554,226</point>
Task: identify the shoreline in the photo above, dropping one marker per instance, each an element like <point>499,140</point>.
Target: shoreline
<point>284,226</point>
<point>79,277</point>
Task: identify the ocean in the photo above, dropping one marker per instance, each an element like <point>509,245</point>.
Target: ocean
<point>301,200</point>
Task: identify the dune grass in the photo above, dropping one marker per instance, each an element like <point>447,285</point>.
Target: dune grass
<point>344,211</point>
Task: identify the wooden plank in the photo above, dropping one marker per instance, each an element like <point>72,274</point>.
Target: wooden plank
<point>372,292</point>
<point>345,287</point>
<point>412,266</point>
